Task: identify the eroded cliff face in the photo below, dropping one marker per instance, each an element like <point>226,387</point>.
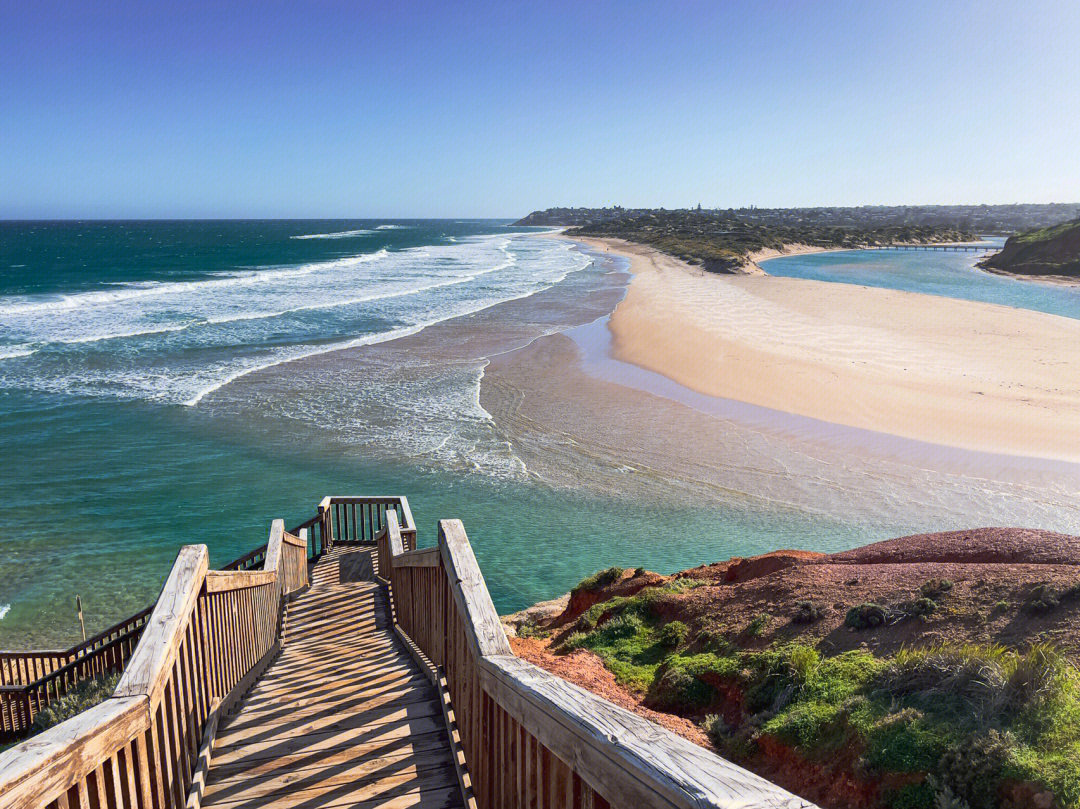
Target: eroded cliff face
<point>1049,252</point>
<point>893,675</point>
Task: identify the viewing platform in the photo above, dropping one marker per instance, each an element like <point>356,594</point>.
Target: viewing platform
<point>341,666</point>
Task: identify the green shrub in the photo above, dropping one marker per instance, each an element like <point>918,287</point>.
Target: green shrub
<point>621,626</point>
<point>599,580</point>
<point>674,634</point>
<point>85,695</point>
<point>970,770</point>
<point>806,612</point>
<point>867,616</point>
<point>530,630</point>
<point>574,641</point>
<point>713,640</point>
<point>679,689</point>
<point>757,626</point>
<point>912,796</point>
<point>922,606</point>
<point>1041,599</point>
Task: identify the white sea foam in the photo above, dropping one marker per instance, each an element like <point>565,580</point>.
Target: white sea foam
<point>392,227</point>
<point>13,351</point>
<point>180,341</point>
<point>344,234</point>
<point>4,609</point>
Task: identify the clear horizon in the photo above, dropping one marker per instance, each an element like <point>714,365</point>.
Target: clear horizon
<point>492,111</point>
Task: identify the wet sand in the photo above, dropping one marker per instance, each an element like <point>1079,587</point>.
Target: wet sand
<point>956,373</point>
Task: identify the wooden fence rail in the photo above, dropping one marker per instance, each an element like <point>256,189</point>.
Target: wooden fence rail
<point>209,635</point>
<point>31,680</point>
<point>530,738</point>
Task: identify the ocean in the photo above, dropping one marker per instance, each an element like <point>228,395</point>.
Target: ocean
<point>164,383</point>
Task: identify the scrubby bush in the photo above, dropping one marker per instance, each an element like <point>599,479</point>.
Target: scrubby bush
<point>935,588</point>
<point>85,695</point>
<point>573,641</point>
<point>984,683</point>
<point>922,606</point>
<point>621,626</point>
<point>674,634</point>
<point>757,626</point>
<point>598,580</point>
<point>867,616</point>
<point>679,689</point>
<point>1041,599</point>
<point>531,630</point>
<point>969,771</point>
<point>806,612</point>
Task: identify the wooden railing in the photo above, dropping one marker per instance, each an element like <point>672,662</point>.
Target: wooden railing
<point>209,635</point>
<point>359,520</point>
<point>530,738</point>
<point>31,680</point>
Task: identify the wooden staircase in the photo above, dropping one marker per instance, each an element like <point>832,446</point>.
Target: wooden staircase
<point>343,716</point>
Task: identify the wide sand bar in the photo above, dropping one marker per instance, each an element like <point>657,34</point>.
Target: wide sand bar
<point>957,373</point>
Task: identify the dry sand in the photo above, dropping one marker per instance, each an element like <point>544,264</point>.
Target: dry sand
<point>956,373</point>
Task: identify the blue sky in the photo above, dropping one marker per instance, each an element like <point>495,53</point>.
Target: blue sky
<point>325,109</point>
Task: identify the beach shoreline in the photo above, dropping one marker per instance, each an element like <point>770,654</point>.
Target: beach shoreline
<point>949,372</point>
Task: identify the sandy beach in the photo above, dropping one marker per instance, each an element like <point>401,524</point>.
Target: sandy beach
<point>955,373</point>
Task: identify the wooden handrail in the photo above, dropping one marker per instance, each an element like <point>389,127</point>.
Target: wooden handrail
<point>209,635</point>
<point>522,727</point>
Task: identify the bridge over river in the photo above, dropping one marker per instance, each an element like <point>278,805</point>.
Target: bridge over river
<point>969,248</point>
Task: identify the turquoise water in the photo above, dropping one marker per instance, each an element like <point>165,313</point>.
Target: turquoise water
<point>952,275</point>
<point>166,383</point>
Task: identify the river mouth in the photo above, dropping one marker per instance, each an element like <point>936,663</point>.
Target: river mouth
<point>511,416</point>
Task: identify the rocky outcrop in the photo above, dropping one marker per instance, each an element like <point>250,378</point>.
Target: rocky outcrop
<point>1050,252</point>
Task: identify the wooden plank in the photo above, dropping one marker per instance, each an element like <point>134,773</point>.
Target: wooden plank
<point>303,760</point>
<point>40,769</point>
<point>222,581</point>
<point>147,671</point>
<point>380,715</point>
<point>202,763</point>
<point>295,541</point>
<point>483,630</point>
<point>623,756</point>
<point>364,741</point>
<point>425,557</point>
<point>273,546</point>
<point>398,776</point>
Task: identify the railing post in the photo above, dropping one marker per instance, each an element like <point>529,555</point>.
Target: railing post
<point>327,523</point>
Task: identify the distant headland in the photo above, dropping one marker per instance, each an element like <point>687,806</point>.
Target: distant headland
<point>729,240</point>
<point>1050,252</point>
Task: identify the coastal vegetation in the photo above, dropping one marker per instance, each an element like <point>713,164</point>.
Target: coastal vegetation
<point>865,681</point>
<point>1049,251</point>
<point>721,241</point>
<point>986,219</point>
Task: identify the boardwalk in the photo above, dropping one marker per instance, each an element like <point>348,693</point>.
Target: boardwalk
<point>287,679</point>
<point>343,717</point>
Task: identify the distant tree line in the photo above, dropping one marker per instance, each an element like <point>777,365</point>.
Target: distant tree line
<point>721,241</point>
